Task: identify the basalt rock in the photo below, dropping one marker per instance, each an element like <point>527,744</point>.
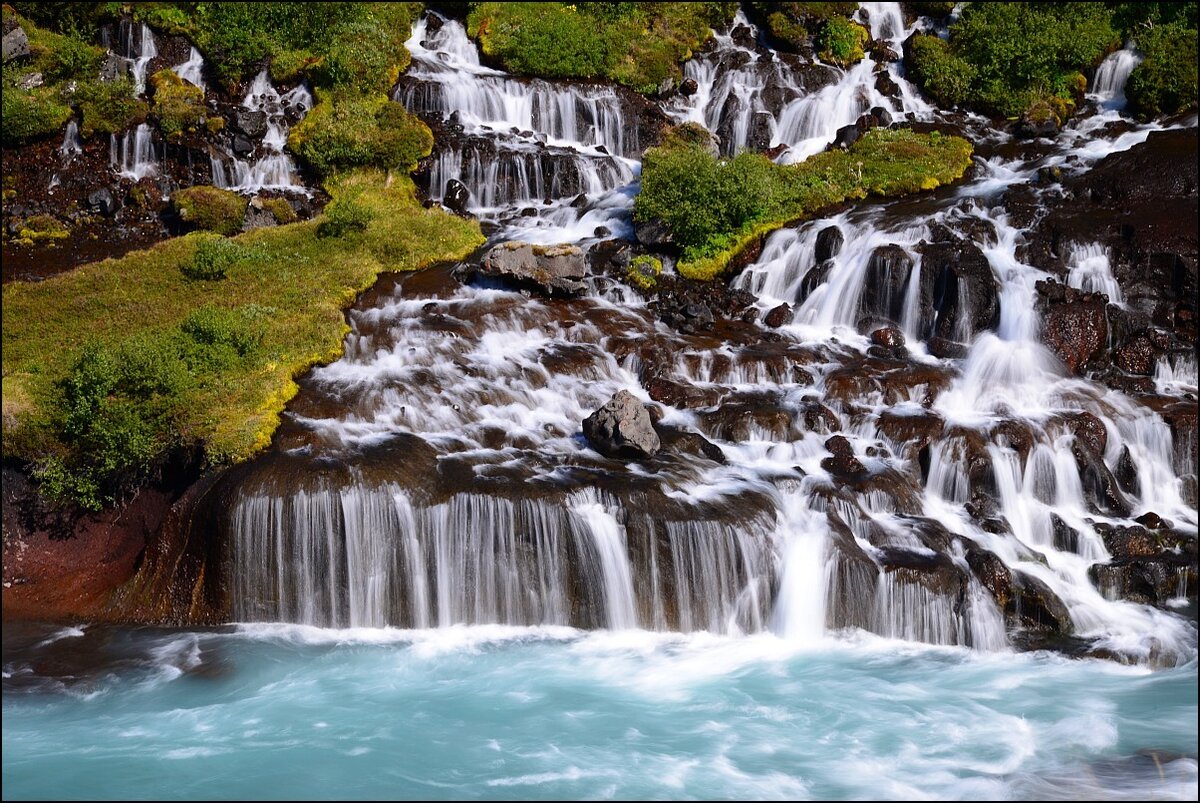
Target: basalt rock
<point>103,202</point>
<point>1075,326</point>
<point>958,293</point>
<point>622,429</point>
<point>778,316</point>
<point>829,243</point>
<point>456,196</point>
<point>888,272</point>
<point>251,122</point>
<point>552,269</point>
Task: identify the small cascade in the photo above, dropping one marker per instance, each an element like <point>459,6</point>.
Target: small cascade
<point>192,70</point>
<point>516,143</point>
<point>1108,85</point>
<point>133,153</point>
<point>71,144</point>
<point>1091,272</point>
<point>274,168</point>
<point>759,99</point>
<point>135,43</point>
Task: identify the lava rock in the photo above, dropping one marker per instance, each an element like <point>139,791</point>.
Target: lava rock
<point>778,316</point>
<point>889,337</point>
<point>622,428</point>
<point>829,243</point>
<point>688,87</point>
<point>455,196</point>
<point>846,136</point>
<point>257,217</point>
<point>1075,324</point>
<point>242,146</point>
<point>552,269</point>
<point>251,122</point>
<point>103,202</point>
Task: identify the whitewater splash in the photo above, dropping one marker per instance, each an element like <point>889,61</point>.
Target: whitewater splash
<point>468,496</point>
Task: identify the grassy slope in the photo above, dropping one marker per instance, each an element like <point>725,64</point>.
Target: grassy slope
<point>303,281</point>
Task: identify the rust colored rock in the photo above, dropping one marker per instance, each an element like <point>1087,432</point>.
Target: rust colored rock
<point>1075,326</point>
<point>1089,429</point>
<point>779,316</point>
<point>1137,355</point>
<point>889,336</point>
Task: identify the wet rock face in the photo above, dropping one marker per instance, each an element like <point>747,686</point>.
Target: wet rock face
<point>959,296</point>
<point>251,122</point>
<point>829,243</point>
<point>456,196</point>
<point>1075,326</point>
<point>622,429</point>
<point>888,272</point>
<point>552,269</point>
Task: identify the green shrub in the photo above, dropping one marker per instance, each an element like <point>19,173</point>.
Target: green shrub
<point>841,41</point>
<point>935,10</point>
<point>344,215</point>
<point>213,257</point>
<point>790,24</point>
<point>222,328</point>
<point>1005,57</point>
<point>1165,83</point>
<point>643,271</point>
<point>211,209</point>
<point>346,132</point>
<point>32,115</point>
<point>108,107</point>
<point>178,105</point>
<point>945,77</point>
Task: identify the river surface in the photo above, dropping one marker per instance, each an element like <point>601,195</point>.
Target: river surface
<point>282,711</point>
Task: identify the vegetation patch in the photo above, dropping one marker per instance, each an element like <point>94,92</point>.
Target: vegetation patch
<point>640,45</point>
<point>213,258</point>
<point>1165,82</point>
<point>178,106</point>
<point>211,209</point>
<point>109,366</point>
<point>795,26</point>
<point>108,107</point>
<point>1004,58</point>
<point>345,131</point>
<point>643,271</point>
<point>715,207</point>
<point>43,227</point>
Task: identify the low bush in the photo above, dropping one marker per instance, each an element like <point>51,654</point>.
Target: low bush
<point>211,209</point>
<point>213,258</point>
<point>793,26</point>
<point>343,216</point>
<point>841,42</point>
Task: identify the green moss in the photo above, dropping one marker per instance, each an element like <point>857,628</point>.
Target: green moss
<point>1165,82</point>
<point>344,132</point>
<point>108,107</point>
<point>715,207</point>
<point>841,42</point>
<point>31,115</point>
<point>789,25</point>
<point>43,227</point>
<point>214,124</point>
<point>637,44</point>
<point>211,209</point>
<point>1003,58</point>
<point>178,106</point>
<point>643,272</point>
<point>285,300</point>
<point>280,209</point>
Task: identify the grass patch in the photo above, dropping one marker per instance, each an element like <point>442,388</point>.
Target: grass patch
<point>71,343</point>
<point>211,208</point>
<point>639,45</point>
<point>715,207</point>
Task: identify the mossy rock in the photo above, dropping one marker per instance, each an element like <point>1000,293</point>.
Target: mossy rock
<point>41,228</point>
<point>211,209</point>
<point>178,105</point>
<point>643,272</point>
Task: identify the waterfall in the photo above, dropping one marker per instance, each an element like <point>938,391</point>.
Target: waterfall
<point>71,144</point>
<point>1091,272</point>
<point>1108,85</point>
<point>192,70</point>
<point>274,168</point>
<point>133,153</point>
<point>135,43</point>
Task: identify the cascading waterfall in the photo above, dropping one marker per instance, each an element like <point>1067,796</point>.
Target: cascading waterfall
<point>133,154</point>
<point>515,520</point>
<point>135,44</point>
<point>274,168</point>
<point>1108,85</point>
<point>71,144</point>
<point>192,70</point>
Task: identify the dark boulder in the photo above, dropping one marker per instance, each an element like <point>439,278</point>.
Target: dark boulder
<point>1075,326</point>
<point>959,295</point>
<point>888,337</point>
<point>103,202</point>
<point>251,122</point>
<point>456,196</point>
<point>884,286</point>
<point>778,316</point>
<point>622,428</point>
<point>829,243</point>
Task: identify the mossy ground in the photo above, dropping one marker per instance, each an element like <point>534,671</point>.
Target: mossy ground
<point>715,208</point>
<point>297,283</point>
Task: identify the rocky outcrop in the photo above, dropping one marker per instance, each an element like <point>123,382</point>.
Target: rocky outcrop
<point>1074,324</point>
<point>551,269</point>
<point>16,44</point>
<point>959,295</point>
<point>622,429</point>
